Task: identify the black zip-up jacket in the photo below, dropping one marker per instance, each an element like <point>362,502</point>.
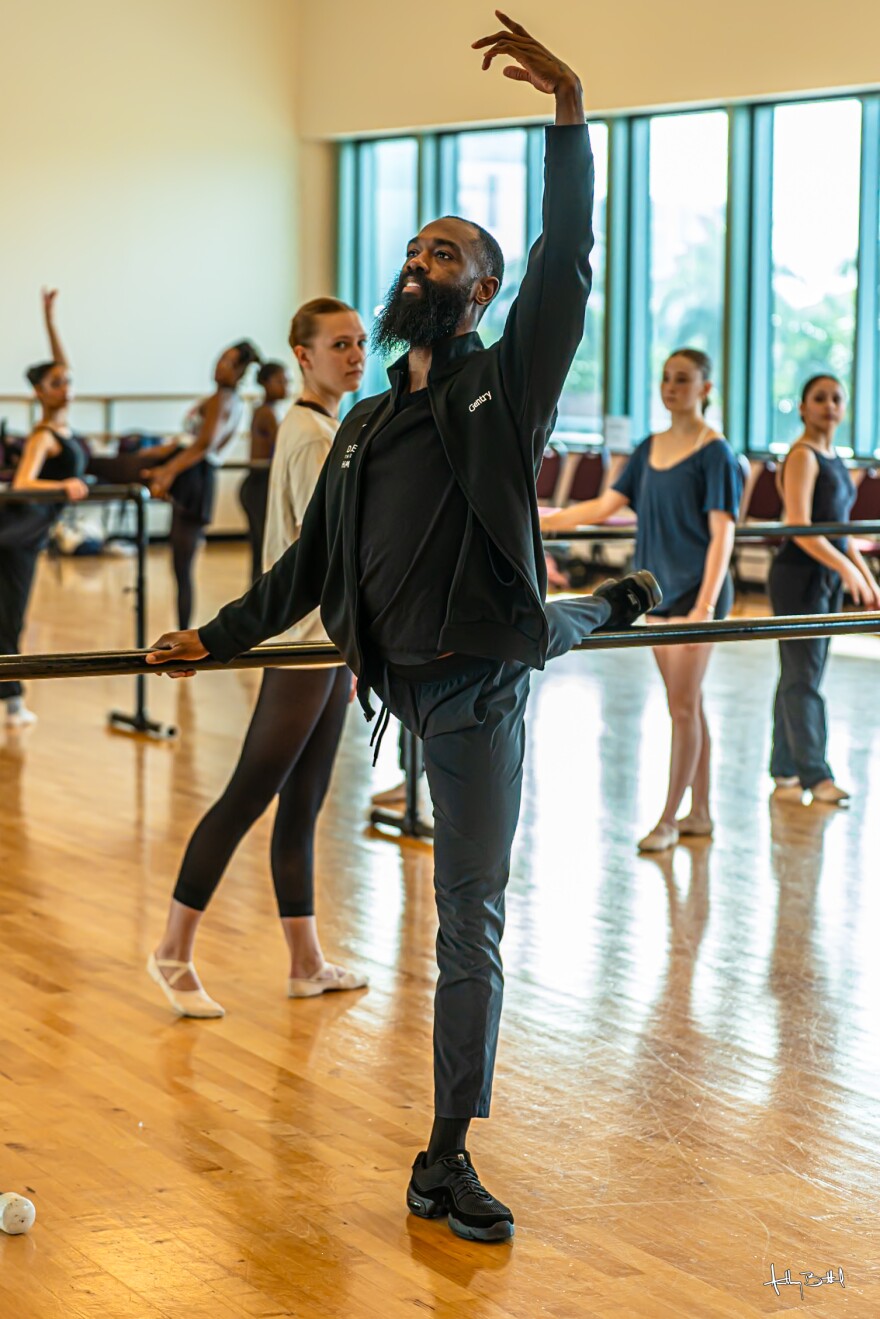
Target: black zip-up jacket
<point>494,409</point>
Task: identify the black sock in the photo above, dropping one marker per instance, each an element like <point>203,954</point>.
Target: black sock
<point>447,1134</point>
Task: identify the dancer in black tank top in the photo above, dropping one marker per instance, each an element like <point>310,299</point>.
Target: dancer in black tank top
<point>808,576</point>
<point>52,461</point>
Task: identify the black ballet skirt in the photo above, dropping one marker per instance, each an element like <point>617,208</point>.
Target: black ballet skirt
<point>194,491</point>
<point>27,526</point>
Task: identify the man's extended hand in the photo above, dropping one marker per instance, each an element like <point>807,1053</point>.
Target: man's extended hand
<point>177,647</point>
<point>536,65</point>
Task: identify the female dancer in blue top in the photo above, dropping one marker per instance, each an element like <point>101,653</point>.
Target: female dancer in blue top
<point>685,484</point>
<point>808,577</point>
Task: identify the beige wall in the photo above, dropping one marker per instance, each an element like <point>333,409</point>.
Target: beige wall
<point>373,68</point>
<point>149,161</point>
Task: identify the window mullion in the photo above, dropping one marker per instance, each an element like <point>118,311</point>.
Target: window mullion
<point>866,385</point>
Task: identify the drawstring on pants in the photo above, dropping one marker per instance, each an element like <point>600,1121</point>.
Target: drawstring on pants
<point>379,731</point>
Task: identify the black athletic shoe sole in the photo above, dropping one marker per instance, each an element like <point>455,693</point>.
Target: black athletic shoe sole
<point>425,1206</point>
<point>644,586</point>
<point>651,588</point>
<point>502,1231</point>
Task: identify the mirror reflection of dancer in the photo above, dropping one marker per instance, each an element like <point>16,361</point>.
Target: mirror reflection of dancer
<point>291,743</point>
<point>254,489</point>
<point>685,484</point>
<point>422,547</point>
<point>808,576</point>
<point>51,461</point>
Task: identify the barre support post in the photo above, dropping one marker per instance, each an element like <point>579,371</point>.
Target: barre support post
<point>140,722</point>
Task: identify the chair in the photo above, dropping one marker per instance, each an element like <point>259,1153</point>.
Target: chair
<point>761,502</point>
<point>764,502</point>
<point>867,509</point>
<point>548,476</point>
<point>589,476</point>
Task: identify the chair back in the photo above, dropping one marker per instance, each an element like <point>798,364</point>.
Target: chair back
<point>589,476</point>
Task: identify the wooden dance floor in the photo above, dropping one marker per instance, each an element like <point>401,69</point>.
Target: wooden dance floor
<point>688,1083</point>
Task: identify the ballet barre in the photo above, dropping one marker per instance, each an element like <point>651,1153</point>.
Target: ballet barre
<point>140,721</point>
<point>317,655</point>
<point>311,655</point>
<point>744,531</point>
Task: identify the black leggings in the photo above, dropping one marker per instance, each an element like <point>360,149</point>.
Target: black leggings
<point>288,752</point>
<point>185,538</point>
<point>253,495</point>
<point>17,568</point>
<point>23,532</point>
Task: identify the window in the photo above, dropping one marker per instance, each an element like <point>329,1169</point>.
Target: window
<point>581,406</point>
<point>387,220</point>
<point>802,181</point>
<point>816,164</point>
<point>490,189</point>
<point>688,200</point>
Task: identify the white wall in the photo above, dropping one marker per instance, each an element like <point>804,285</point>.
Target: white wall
<point>149,158</point>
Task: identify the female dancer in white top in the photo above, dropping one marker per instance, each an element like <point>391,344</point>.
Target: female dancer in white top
<point>291,743</point>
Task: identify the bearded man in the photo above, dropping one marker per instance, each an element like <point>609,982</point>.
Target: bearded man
<point>422,548</point>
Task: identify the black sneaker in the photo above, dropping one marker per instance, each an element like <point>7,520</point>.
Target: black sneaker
<point>451,1186</point>
<point>632,596</point>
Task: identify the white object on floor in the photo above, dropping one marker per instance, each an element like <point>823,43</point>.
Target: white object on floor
<point>17,1213</point>
<point>20,718</point>
<point>691,827</point>
<point>395,796</point>
<point>830,794</point>
<point>659,839</point>
<point>186,1002</point>
<point>329,978</point>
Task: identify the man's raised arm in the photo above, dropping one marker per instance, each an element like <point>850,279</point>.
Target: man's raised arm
<point>546,321</point>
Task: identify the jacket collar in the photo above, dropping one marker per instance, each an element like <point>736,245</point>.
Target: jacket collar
<point>445,357</point>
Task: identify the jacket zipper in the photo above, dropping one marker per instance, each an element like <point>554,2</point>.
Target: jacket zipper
<point>472,506</point>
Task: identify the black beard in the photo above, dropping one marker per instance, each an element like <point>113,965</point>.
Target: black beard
<point>412,321</point>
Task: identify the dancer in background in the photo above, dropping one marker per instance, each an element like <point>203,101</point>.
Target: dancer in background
<point>187,476</point>
<point>254,489</point>
<point>290,746</point>
<point>685,484</point>
<point>808,576</point>
<point>52,461</point>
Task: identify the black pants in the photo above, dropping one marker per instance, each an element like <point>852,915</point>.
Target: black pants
<point>253,494</point>
<point>474,740</point>
<point>799,724</point>
<point>24,529</point>
<point>288,752</point>
<point>17,569</point>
